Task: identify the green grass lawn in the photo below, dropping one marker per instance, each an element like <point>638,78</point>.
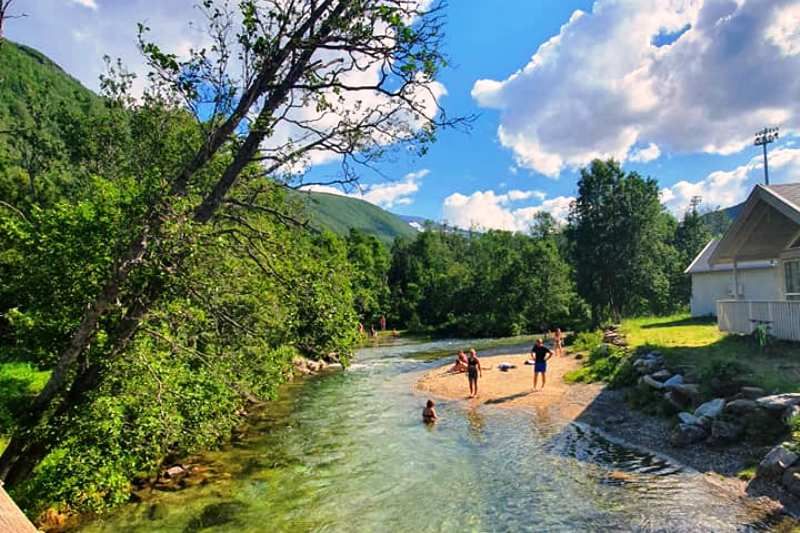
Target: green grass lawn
<point>695,345</point>
<point>19,383</point>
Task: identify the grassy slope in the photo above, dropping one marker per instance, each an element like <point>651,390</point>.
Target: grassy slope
<point>695,344</point>
<point>341,214</point>
<point>19,383</point>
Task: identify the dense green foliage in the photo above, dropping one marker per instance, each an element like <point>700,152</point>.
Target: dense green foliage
<point>496,283</point>
<point>341,214</point>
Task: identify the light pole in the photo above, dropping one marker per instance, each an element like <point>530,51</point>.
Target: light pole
<point>763,138</point>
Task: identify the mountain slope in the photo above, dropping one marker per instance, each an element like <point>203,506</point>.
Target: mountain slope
<point>340,214</point>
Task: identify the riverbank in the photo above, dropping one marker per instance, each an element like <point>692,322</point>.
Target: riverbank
<point>595,405</point>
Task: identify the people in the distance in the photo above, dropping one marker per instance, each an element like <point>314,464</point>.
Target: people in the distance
<point>461,363</point>
<point>429,413</point>
<point>558,342</point>
<point>541,354</point>
<point>473,372</point>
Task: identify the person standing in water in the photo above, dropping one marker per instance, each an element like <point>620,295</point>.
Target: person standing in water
<point>541,354</point>
<point>558,342</point>
<point>473,372</point>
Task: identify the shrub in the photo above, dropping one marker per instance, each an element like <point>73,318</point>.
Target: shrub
<point>605,363</point>
<point>585,341</point>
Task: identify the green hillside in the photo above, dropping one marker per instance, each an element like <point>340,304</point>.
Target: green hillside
<point>340,214</point>
<point>30,82</point>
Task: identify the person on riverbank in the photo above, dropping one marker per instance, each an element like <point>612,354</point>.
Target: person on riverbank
<point>461,363</point>
<point>429,413</point>
<point>558,342</point>
<point>541,354</point>
<point>474,371</point>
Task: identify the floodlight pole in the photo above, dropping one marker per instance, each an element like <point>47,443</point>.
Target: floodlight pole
<point>763,138</point>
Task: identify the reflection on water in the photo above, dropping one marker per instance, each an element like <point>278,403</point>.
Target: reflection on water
<point>347,452</point>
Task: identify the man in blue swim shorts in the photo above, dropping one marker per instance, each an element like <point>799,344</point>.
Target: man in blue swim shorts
<point>541,354</point>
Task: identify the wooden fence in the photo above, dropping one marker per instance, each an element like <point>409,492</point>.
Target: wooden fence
<point>742,316</point>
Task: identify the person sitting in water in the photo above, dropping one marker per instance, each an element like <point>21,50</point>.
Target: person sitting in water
<point>429,413</point>
<point>461,363</point>
<point>541,354</point>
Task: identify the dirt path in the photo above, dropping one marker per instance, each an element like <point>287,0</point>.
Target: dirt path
<point>514,388</point>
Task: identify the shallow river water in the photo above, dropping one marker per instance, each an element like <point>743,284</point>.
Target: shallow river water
<point>347,452</point>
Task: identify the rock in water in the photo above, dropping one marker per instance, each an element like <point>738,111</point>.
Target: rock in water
<point>775,462</point>
<point>779,402</point>
<point>677,379</point>
<point>791,480</point>
<point>711,409</point>
<point>685,434</point>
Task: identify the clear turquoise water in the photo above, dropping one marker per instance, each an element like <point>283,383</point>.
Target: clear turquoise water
<point>347,452</point>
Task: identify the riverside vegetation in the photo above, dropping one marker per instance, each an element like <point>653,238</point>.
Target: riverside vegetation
<point>158,272</point>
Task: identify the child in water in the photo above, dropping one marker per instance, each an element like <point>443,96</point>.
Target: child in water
<point>429,413</point>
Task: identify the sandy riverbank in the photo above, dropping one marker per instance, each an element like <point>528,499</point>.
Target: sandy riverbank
<point>594,405</point>
<point>514,388</point>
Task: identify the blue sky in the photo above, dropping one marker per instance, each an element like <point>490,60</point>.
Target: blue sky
<point>673,88</point>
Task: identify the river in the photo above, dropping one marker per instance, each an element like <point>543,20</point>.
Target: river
<point>346,451</point>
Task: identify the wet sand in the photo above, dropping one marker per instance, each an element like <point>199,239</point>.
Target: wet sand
<point>514,388</point>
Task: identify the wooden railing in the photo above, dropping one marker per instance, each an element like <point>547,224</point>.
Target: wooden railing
<point>742,316</point>
<point>11,518</point>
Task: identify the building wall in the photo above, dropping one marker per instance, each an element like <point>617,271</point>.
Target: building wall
<point>708,287</point>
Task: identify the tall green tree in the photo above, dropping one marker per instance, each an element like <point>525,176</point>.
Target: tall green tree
<point>691,235</point>
<point>370,261</point>
<point>619,239</point>
<point>264,63</point>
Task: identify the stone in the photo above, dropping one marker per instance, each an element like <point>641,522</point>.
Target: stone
<point>791,480</point>
<point>175,471</point>
<point>790,413</point>
<point>654,383</point>
<point>662,375</point>
<point>741,407</point>
<point>775,462</point>
<point>723,431</point>
<point>762,427</point>
<point>710,409</point>
<point>677,379</point>
<point>751,393</point>
<point>685,434</point>
<point>779,402</point>
<point>675,401</point>
<point>690,391</point>
<point>688,418</point>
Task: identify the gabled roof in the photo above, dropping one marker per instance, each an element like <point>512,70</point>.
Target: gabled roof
<point>701,264</point>
<point>768,223</point>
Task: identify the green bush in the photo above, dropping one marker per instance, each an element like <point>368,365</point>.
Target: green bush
<point>585,341</point>
<point>605,363</point>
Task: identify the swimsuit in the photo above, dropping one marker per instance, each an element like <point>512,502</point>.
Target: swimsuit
<point>472,368</point>
<point>540,352</point>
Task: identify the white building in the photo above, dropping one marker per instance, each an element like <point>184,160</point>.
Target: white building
<point>758,280</point>
<point>759,255</point>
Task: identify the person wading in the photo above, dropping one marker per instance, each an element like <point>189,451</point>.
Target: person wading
<point>473,372</point>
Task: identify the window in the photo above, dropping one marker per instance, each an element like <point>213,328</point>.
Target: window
<point>792,270</point>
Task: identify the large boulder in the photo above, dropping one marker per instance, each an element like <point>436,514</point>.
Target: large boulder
<point>779,402</point>
<point>762,427</point>
<point>776,461</point>
<point>710,409</point>
<point>677,379</point>
<point>662,375</point>
<point>654,383</point>
<point>724,431</point>
<point>688,418</point>
<point>685,434</point>
<point>687,393</point>
<point>741,407</point>
<point>791,480</point>
<point>751,393</point>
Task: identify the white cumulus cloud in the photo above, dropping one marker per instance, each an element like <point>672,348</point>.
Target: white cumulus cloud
<point>489,210</point>
<point>91,4</point>
<point>631,74</point>
<point>386,195</point>
<point>724,188</point>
